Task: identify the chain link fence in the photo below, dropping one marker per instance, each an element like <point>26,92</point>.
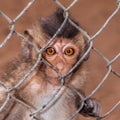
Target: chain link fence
<point>108,62</point>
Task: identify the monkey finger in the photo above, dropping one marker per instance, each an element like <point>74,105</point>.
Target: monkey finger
<point>91,108</point>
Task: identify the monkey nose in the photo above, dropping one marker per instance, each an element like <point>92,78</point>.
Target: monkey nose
<point>60,66</point>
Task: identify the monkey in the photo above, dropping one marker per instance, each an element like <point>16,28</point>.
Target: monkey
<point>41,85</point>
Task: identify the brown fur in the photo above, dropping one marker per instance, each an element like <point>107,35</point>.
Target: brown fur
<point>39,87</point>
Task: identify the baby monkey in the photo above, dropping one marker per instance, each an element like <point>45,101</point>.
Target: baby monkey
<point>37,90</point>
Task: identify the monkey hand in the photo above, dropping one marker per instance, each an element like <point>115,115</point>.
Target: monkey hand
<point>91,108</point>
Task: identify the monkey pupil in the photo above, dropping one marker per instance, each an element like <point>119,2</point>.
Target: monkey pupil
<point>50,51</point>
<point>69,51</point>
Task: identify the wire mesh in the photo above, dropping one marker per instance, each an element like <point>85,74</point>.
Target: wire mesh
<point>62,87</point>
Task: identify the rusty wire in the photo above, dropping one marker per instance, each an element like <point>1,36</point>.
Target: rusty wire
<point>63,86</point>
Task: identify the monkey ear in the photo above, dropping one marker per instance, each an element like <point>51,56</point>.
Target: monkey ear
<point>27,49</point>
<point>29,34</point>
<point>83,41</point>
<point>88,55</point>
<point>86,48</point>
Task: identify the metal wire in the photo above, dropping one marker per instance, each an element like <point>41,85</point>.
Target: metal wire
<point>39,60</point>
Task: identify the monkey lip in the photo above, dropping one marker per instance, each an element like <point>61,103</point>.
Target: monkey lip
<point>57,77</point>
<point>54,75</point>
<point>51,76</point>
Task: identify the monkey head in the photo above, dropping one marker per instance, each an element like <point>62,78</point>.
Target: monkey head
<point>66,48</point>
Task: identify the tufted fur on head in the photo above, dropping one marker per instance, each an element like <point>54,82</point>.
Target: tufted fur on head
<point>53,22</point>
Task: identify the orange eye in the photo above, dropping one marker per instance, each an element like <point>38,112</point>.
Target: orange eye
<point>50,51</point>
<point>69,51</point>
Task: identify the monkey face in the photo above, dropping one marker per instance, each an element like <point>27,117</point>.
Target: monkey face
<point>62,54</point>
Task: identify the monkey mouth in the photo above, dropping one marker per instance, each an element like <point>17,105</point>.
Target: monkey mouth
<point>54,80</point>
<point>57,80</point>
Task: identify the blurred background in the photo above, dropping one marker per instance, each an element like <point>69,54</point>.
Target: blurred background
<point>91,14</point>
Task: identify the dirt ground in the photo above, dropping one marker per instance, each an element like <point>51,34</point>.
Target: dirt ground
<point>91,14</point>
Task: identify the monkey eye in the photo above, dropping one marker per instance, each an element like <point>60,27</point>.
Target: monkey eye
<point>50,51</point>
<point>69,51</point>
